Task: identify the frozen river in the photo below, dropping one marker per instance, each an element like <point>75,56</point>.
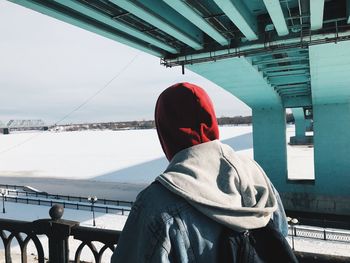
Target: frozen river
<point>110,164</point>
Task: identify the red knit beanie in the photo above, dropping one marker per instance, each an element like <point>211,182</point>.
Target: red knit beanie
<point>184,117</point>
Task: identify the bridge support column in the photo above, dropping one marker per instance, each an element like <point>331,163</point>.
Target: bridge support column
<point>269,140</point>
<point>330,191</point>
<point>332,149</point>
<point>300,128</point>
<point>300,123</point>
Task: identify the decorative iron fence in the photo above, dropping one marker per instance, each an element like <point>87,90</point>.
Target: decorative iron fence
<point>57,232</point>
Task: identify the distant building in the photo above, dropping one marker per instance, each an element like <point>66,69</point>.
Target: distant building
<point>25,125</point>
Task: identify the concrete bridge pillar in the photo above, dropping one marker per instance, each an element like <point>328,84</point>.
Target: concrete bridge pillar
<point>300,123</point>
<point>332,148</point>
<point>330,191</point>
<point>269,140</point>
<point>300,128</point>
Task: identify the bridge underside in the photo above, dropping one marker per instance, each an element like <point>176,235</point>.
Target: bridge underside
<point>271,54</point>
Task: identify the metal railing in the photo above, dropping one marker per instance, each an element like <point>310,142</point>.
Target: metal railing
<point>18,191</point>
<point>319,233</point>
<point>57,231</point>
<point>11,186</point>
<point>69,204</point>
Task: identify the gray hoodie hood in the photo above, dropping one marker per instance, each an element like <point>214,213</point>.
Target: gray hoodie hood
<point>230,189</point>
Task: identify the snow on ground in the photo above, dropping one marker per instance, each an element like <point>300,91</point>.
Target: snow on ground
<point>77,155</point>
<point>129,156</point>
<point>320,246</point>
<point>300,158</point>
<point>121,163</point>
<point>99,155</point>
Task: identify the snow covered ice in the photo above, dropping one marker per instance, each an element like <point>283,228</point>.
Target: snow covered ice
<point>128,156</point>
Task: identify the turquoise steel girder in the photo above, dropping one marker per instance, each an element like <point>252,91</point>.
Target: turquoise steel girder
<point>277,17</point>
<point>294,72</point>
<point>294,93</point>
<point>316,14</point>
<point>188,13</point>
<point>282,80</point>
<point>293,85</point>
<point>165,18</point>
<point>84,10</point>
<point>280,60</point>
<point>300,101</point>
<point>286,67</point>
<point>292,90</point>
<point>238,13</point>
<point>289,51</point>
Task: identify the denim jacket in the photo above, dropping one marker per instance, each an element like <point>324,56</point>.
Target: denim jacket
<point>205,189</point>
<point>163,227</point>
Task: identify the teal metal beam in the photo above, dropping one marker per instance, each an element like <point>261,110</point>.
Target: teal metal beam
<point>83,9</point>
<point>240,15</point>
<point>157,21</point>
<point>316,14</point>
<point>294,93</point>
<point>302,84</point>
<point>171,17</point>
<point>287,67</point>
<point>300,88</point>
<point>275,11</point>
<point>285,97</point>
<point>279,60</point>
<point>284,91</point>
<point>297,50</point>
<point>291,73</point>
<point>285,73</point>
<point>288,79</point>
<point>183,9</point>
<point>300,101</point>
<point>47,8</point>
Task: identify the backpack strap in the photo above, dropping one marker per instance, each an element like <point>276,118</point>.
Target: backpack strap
<point>272,246</point>
<point>263,245</point>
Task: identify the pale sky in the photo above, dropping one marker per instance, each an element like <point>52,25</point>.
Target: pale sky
<point>48,68</point>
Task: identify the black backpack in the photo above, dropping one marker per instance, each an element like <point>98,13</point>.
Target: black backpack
<point>263,245</point>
